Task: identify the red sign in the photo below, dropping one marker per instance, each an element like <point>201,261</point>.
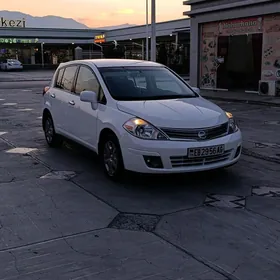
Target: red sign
<point>241,26</point>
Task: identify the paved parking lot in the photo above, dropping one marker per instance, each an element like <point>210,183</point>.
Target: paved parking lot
<point>62,219</point>
<point>26,75</point>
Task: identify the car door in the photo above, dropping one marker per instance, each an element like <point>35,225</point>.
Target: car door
<point>61,96</point>
<point>54,99</point>
<point>85,118</point>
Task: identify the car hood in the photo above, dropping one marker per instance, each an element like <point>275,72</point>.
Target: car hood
<point>178,113</point>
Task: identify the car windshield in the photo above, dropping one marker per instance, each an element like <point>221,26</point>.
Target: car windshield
<point>144,83</point>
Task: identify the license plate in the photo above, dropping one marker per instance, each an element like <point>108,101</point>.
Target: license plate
<point>206,151</point>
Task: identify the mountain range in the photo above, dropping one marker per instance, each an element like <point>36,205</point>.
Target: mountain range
<point>53,21</point>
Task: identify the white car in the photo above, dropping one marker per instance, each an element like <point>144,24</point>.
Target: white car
<point>11,64</point>
<point>138,116</point>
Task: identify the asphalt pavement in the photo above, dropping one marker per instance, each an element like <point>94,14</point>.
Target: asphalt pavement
<point>62,219</point>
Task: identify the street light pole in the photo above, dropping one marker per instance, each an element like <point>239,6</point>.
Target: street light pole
<point>153,27</point>
<point>147,29</point>
<point>101,48</point>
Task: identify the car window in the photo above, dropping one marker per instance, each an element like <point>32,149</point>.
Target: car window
<point>68,78</point>
<point>145,83</point>
<point>59,78</point>
<point>86,80</point>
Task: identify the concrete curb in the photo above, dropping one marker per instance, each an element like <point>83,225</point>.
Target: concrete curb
<point>252,102</point>
<point>250,153</point>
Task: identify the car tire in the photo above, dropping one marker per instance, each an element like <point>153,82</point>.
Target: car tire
<point>53,139</point>
<point>111,158</point>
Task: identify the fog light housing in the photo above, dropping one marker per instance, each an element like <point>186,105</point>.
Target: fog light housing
<point>153,161</point>
<point>238,151</point>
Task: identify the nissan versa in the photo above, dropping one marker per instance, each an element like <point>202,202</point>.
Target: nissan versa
<point>138,116</point>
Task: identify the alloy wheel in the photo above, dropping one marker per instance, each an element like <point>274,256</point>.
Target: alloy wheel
<point>110,157</point>
<point>49,130</point>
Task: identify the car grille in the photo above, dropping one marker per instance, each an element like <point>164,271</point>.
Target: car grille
<point>193,134</point>
<point>184,161</point>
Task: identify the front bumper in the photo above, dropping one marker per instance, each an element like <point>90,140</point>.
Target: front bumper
<point>14,67</point>
<point>173,154</point>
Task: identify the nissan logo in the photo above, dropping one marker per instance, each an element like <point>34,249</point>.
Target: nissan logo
<point>202,134</point>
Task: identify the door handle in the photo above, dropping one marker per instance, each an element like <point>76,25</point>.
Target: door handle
<point>71,103</point>
<point>53,95</point>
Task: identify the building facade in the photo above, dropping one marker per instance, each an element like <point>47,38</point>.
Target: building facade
<point>37,47</point>
<point>173,43</point>
<point>45,47</point>
<point>235,44</point>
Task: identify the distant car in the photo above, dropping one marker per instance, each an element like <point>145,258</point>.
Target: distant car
<point>11,64</point>
<point>138,116</point>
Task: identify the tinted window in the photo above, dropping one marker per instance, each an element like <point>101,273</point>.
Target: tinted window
<point>68,78</point>
<point>145,83</point>
<point>59,78</point>
<point>86,81</point>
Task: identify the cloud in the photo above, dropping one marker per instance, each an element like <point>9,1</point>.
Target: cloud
<point>125,12</point>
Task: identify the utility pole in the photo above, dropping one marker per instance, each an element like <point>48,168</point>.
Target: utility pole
<point>147,30</point>
<point>153,27</point>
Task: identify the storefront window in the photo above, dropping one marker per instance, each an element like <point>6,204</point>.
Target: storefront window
<point>231,54</point>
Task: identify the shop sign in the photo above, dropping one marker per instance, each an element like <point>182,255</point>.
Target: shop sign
<point>20,23</point>
<point>100,39</point>
<point>18,41</point>
<point>241,26</point>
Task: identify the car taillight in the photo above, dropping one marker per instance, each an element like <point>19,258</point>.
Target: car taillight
<point>45,90</point>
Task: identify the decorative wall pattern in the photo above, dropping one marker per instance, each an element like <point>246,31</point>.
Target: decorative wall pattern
<point>271,48</point>
<point>209,65</point>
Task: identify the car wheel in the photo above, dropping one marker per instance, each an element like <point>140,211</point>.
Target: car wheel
<point>112,158</point>
<point>54,140</point>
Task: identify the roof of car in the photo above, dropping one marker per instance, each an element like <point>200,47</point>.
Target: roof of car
<point>115,62</point>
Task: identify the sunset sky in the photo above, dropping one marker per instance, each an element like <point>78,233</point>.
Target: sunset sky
<point>96,13</point>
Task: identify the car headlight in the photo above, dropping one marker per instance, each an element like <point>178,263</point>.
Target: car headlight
<point>144,130</point>
<point>232,123</point>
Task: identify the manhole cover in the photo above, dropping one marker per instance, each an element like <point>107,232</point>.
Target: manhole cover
<point>59,175</point>
<point>21,151</point>
<point>266,191</point>
<point>266,145</point>
<point>225,201</point>
<point>135,222</point>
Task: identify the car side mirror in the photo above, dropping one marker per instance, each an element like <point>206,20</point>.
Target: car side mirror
<point>196,90</point>
<point>90,97</point>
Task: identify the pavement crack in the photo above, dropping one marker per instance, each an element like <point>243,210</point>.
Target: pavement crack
<point>15,261</point>
<point>264,216</point>
<point>77,234</point>
<point>201,260</point>
<point>77,251</point>
<point>97,197</point>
